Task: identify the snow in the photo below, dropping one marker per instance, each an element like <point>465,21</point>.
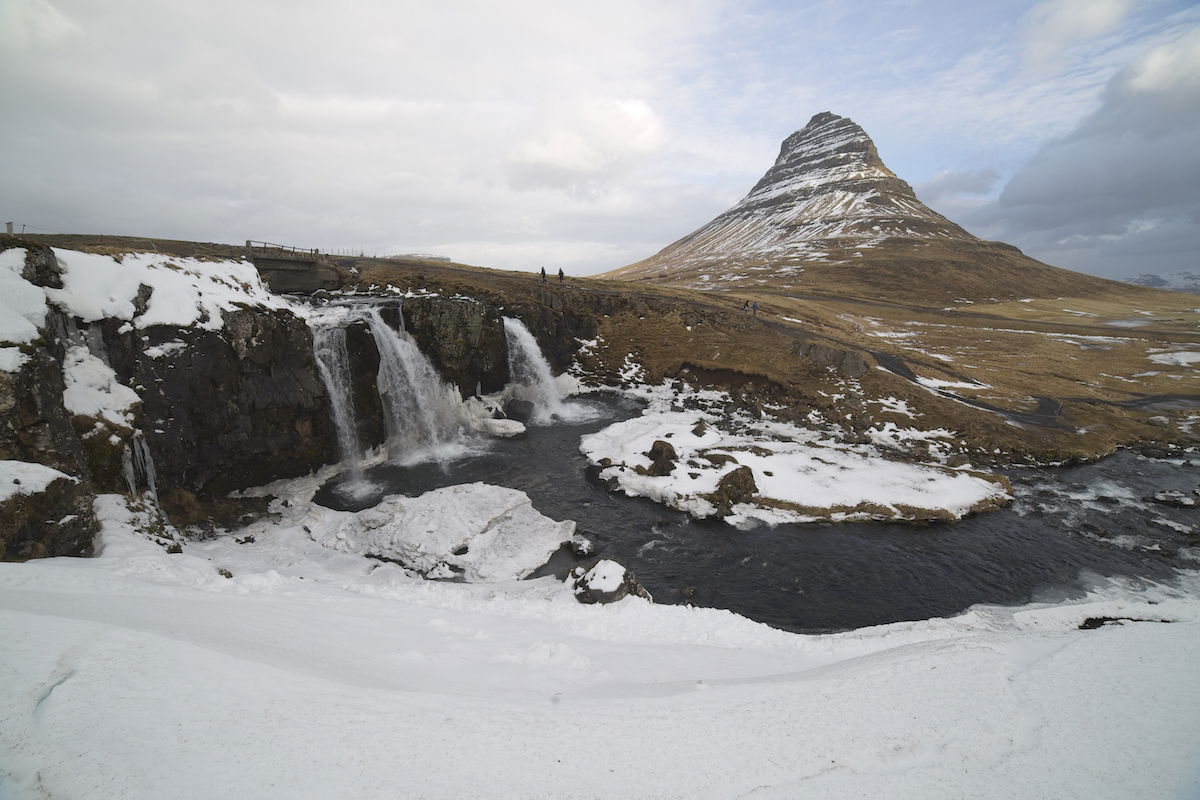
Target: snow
<point>1178,358</point>
<point>92,389</point>
<point>23,477</point>
<point>313,673</point>
<point>812,476</point>
<point>937,383</point>
<point>606,576</point>
<point>478,531</point>
<point>186,292</point>
<point>22,305</point>
<point>12,359</point>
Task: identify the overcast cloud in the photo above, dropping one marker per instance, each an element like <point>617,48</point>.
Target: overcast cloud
<point>591,135</point>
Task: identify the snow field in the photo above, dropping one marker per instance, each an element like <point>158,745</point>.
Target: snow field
<point>317,673</point>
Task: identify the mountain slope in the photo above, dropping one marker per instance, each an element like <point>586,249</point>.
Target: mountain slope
<point>830,216</point>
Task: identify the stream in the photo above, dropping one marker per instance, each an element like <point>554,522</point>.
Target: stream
<point>1067,528</point>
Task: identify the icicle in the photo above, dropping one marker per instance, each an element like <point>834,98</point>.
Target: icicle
<point>137,465</point>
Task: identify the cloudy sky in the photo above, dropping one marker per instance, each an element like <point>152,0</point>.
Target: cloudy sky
<point>589,135</point>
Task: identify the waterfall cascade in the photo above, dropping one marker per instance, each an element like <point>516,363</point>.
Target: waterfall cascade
<point>422,412</point>
<point>530,372</point>
<point>333,363</point>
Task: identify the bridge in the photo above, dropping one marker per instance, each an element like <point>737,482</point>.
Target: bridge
<point>285,268</point>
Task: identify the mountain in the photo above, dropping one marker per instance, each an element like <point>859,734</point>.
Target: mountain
<point>1172,281</point>
<point>829,216</point>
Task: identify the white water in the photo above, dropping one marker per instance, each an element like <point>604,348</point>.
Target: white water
<point>530,373</point>
<point>423,413</point>
<point>333,363</point>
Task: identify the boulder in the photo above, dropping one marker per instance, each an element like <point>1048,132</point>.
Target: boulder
<point>43,513</point>
<point>663,456</point>
<point>735,486</point>
<point>606,582</point>
<point>520,410</point>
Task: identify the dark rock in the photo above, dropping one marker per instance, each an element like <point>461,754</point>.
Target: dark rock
<point>736,486</point>
<point>700,428</point>
<point>606,582</point>
<point>55,522</point>
<point>464,339</point>
<point>581,546</point>
<point>663,456</point>
<point>848,362</point>
<point>1175,499</point>
<point>520,410</point>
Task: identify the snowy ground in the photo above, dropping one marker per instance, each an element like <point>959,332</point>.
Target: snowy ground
<point>802,474</point>
<point>313,672</point>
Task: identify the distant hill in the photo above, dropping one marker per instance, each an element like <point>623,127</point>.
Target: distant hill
<point>1172,281</point>
<point>830,216</point>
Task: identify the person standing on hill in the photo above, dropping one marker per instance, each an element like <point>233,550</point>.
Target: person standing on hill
<point>754,308</point>
<point>543,274</point>
<point>560,276</point>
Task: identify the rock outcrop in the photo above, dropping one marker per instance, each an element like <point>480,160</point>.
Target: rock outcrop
<point>109,399</point>
<point>606,582</point>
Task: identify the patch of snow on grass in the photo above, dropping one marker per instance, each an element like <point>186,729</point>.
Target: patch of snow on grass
<point>800,475</point>
<point>1176,359</point>
<point>937,383</point>
<point>184,291</point>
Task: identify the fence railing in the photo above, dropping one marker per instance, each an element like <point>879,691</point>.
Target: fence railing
<point>254,246</point>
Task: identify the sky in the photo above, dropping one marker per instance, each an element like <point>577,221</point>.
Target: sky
<point>589,135</point>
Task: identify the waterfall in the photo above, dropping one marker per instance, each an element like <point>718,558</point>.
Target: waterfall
<point>422,412</point>
<point>333,364</point>
<point>530,371</point>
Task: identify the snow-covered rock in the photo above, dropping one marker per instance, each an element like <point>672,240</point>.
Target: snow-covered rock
<point>773,472</point>
<point>474,531</point>
<point>606,582</point>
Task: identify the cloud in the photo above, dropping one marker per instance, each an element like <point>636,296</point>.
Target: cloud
<point>592,141</point>
<point>1053,27</point>
<point>27,24</point>
<point>1123,182</point>
<point>951,184</point>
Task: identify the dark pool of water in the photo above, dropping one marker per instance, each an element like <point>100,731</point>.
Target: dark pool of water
<point>827,577</point>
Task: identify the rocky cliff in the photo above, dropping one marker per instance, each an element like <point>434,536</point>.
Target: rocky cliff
<point>136,375</point>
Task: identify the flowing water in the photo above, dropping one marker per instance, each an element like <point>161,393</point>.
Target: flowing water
<point>530,374</point>
<point>1066,527</point>
<point>333,364</point>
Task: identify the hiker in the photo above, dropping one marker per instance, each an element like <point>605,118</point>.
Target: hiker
<point>754,308</point>
<point>560,276</point>
<point>543,274</point>
<point>746,306</point>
